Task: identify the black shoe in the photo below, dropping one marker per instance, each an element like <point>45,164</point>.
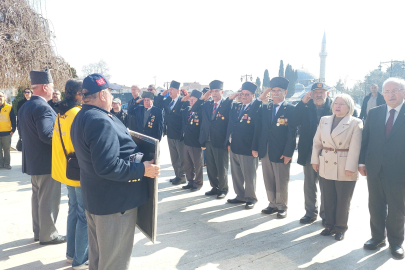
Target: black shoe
<point>374,244</point>
<point>339,236</point>
<point>235,201</point>
<point>328,231</point>
<point>397,251</point>
<point>173,179</point>
<point>282,214</point>
<point>213,191</point>
<point>178,182</point>
<point>249,205</point>
<point>307,220</point>
<point>36,239</point>
<point>186,187</point>
<point>193,189</point>
<point>269,210</point>
<point>58,240</point>
<point>222,195</point>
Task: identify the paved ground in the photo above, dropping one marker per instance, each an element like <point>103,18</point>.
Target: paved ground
<point>196,231</point>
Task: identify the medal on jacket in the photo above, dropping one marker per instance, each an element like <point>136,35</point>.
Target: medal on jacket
<point>191,122</point>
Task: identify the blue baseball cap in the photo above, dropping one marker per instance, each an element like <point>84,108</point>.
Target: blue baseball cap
<point>318,85</point>
<point>96,82</point>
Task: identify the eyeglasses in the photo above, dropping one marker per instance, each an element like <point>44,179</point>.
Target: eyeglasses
<point>28,92</point>
<point>277,91</point>
<point>245,95</point>
<point>150,90</point>
<point>395,91</point>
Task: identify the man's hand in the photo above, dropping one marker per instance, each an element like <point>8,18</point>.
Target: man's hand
<point>234,96</point>
<point>348,173</point>
<point>164,93</point>
<point>286,159</point>
<point>151,170</point>
<point>11,134</point>
<point>139,100</point>
<point>255,153</point>
<point>307,97</point>
<point>265,93</point>
<point>229,148</point>
<point>363,170</point>
<point>203,148</point>
<point>315,167</point>
<point>186,98</point>
<point>206,96</point>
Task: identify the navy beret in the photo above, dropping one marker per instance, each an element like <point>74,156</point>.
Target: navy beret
<point>41,76</point>
<point>148,94</point>
<point>279,82</point>
<point>249,86</point>
<point>175,84</point>
<point>216,85</point>
<point>196,93</point>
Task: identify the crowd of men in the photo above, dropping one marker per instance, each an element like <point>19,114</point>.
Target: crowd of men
<point>239,130</point>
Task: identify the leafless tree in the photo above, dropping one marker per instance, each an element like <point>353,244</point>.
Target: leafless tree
<point>100,67</point>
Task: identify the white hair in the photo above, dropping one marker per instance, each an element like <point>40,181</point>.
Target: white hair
<point>349,101</point>
<point>399,81</point>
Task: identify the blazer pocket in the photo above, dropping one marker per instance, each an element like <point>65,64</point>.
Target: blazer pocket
<point>322,166</point>
<point>341,168</point>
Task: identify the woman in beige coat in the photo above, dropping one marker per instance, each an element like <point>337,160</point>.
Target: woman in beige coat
<point>335,155</point>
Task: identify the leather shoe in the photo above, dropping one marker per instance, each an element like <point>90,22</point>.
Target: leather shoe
<point>282,214</point>
<point>213,191</point>
<point>339,236</point>
<point>327,231</point>
<point>222,195</point>
<point>58,240</point>
<point>374,244</point>
<point>307,220</point>
<point>249,205</point>
<point>173,179</point>
<point>178,182</point>
<point>397,251</point>
<point>235,201</point>
<point>193,189</point>
<point>36,239</point>
<point>186,187</point>
<point>269,210</point>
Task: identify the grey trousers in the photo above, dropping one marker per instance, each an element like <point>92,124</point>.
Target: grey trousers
<point>176,156</point>
<point>311,178</point>
<point>111,238</point>
<point>5,143</point>
<point>217,166</point>
<point>276,177</point>
<point>45,202</point>
<point>243,169</point>
<point>193,165</point>
<point>338,195</point>
<point>382,193</point>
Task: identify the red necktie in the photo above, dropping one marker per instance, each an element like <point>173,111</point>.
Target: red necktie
<point>390,123</point>
<point>215,108</point>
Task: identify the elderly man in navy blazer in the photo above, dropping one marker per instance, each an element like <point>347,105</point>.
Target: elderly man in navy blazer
<point>36,123</point>
<point>276,145</point>
<point>382,160</point>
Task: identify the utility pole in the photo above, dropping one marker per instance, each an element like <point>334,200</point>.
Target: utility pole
<point>392,64</point>
<point>246,77</point>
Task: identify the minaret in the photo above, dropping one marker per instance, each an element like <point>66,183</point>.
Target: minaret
<point>323,55</point>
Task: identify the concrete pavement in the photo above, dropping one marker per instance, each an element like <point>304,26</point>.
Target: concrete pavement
<point>196,231</point>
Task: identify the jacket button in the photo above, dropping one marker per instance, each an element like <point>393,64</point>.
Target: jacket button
<point>323,141</point>
<point>335,163</point>
<point>326,151</point>
<point>326,161</point>
<point>340,143</point>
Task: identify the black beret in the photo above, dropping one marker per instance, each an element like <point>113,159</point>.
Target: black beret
<point>196,93</point>
<point>147,94</point>
<point>175,84</point>
<point>205,90</point>
<point>249,86</point>
<point>41,76</point>
<point>279,82</point>
<point>216,85</point>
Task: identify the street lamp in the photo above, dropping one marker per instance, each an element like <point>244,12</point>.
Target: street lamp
<point>246,78</point>
<point>166,84</point>
<point>392,63</point>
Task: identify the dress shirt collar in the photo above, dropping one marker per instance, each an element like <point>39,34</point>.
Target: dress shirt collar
<point>397,109</point>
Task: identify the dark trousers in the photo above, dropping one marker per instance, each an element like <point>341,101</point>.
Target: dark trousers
<point>383,193</point>
<point>217,167</point>
<point>193,165</point>
<point>338,195</point>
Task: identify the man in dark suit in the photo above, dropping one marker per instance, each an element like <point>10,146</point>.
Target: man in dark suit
<point>173,126</point>
<point>372,100</point>
<point>215,119</point>
<point>193,153</point>
<point>244,123</point>
<point>149,118</point>
<point>276,145</point>
<point>306,115</point>
<point>36,123</point>
<point>118,111</point>
<point>132,105</point>
<point>382,160</point>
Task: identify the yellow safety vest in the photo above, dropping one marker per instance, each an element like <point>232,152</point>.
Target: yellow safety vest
<point>58,156</point>
<point>5,122</point>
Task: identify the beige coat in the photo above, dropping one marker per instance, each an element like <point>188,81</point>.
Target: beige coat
<point>346,135</point>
